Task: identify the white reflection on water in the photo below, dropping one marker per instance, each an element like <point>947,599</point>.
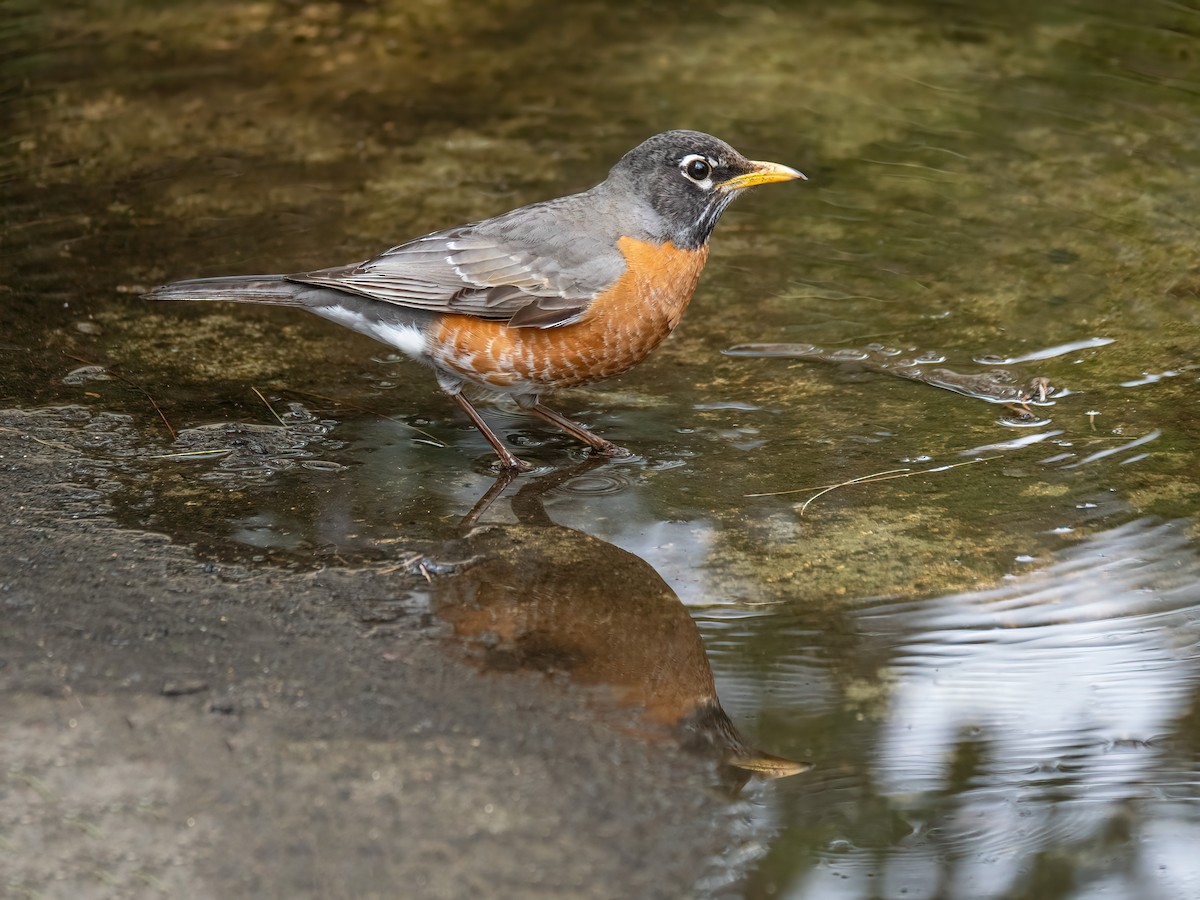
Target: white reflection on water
<point>1038,720</point>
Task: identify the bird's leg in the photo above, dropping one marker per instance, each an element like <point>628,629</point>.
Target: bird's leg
<point>507,460</point>
<point>598,444</point>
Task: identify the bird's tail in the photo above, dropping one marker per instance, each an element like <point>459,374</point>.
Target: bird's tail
<point>271,289</point>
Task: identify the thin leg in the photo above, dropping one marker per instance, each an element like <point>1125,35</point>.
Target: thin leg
<point>599,444</point>
<point>507,460</point>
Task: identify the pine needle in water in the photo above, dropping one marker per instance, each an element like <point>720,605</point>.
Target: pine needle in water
<point>192,454</point>
<point>267,404</point>
<point>433,441</point>
<point>130,383</point>
<point>886,475</point>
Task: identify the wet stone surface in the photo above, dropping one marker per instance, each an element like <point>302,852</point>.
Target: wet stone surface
<point>178,726</point>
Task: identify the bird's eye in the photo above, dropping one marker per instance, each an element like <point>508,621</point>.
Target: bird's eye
<point>696,168</point>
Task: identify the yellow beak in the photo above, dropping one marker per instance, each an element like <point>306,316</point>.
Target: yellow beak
<point>762,173</point>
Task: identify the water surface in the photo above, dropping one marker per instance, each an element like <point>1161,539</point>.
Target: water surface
<point>993,666</point>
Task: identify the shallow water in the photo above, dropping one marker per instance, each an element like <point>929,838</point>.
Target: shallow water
<point>993,666</point>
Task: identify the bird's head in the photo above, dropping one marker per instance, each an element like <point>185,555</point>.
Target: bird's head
<point>688,178</point>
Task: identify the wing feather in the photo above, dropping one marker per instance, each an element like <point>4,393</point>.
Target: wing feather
<point>484,270</point>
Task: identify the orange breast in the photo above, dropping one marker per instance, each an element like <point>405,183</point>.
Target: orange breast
<point>619,329</point>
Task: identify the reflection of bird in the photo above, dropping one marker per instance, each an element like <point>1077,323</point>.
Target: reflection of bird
<point>545,597</point>
<point>552,295</point>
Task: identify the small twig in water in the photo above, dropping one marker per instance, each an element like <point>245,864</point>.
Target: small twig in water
<point>887,475</point>
<point>267,404</point>
<point>193,454</point>
<point>374,412</point>
<point>404,565</point>
<point>819,487</point>
<point>55,444</point>
<point>130,383</point>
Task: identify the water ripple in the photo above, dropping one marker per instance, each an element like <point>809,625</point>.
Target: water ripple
<point>1046,352</point>
<point>1033,715</point>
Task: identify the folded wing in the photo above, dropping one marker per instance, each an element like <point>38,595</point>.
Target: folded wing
<point>468,271</point>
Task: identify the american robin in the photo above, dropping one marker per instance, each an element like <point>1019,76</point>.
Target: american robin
<point>551,295</point>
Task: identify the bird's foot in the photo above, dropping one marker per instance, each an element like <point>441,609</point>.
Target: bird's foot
<point>611,451</point>
<point>511,464</point>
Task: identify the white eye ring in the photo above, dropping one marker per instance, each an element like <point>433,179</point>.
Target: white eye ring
<point>697,168</point>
